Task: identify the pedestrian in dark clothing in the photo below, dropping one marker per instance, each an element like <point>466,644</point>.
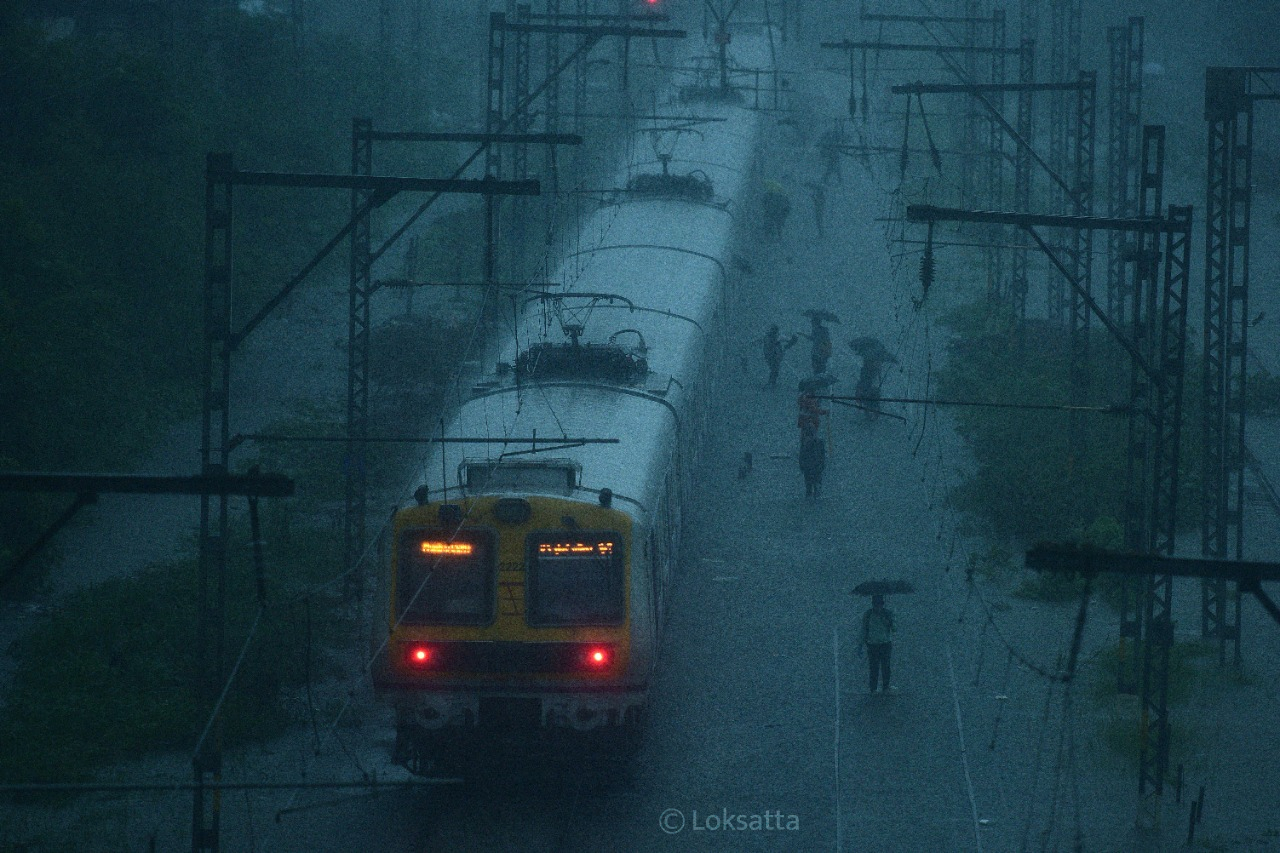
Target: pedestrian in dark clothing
<point>774,349</point>
<point>820,345</point>
<point>813,459</point>
<point>877,638</point>
<point>818,194</point>
<point>868,390</point>
<point>829,149</point>
<point>871,376</point>
<point>776,206</point>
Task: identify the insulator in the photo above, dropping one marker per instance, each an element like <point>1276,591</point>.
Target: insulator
<point>927,268</point>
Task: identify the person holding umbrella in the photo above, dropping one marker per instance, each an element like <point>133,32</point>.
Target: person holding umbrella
<point>874,358</point>
<point>820,339</point>
<point>774,349</point>
<point>877,630</point>
<point>813,450</point>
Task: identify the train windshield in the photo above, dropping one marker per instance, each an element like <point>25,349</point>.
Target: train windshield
<point>552,475</point>
<point>576,578</point>
<point>445,579</point>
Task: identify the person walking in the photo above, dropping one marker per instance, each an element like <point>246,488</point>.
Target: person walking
<point>871,376</point>
<point>813,459</point>
<point>774,349</point>
<point>775,206</point>
<point>877,639</point>
<point>819,344</point>
<point>829,149</point>
<point>819,196</point>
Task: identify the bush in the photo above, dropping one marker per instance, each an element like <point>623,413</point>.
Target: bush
<point>1024,485</point>
<point>112,674</point>
<point>102,152</point>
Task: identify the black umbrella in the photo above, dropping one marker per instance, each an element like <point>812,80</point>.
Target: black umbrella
<point>869,347</point>
<point>821,316</point>
<point>883,588</point>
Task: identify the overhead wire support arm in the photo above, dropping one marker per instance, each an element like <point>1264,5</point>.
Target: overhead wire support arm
<point>220,172</point>
<point>915,48</point>
<point>1046,407</point>
<point>1250,575</point>
<point>320,439</point>
<point>87,488</point>
<point>476,136</point>
<point>975,88</point>
<point>944,52</point>
<point>247,485</point>
<point>597,30</point>
<point>1148,224</point>
<point>1029,221</point>
<point>925,19</point>
<point>656,17</point>
<point>383,186</point>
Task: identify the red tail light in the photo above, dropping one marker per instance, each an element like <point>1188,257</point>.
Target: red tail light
<point>598,657</point>
<point>419,656</point>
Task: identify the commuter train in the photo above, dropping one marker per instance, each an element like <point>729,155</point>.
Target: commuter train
<point>526,592</point>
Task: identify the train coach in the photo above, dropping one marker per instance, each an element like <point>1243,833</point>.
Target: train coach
<point>528,582</point>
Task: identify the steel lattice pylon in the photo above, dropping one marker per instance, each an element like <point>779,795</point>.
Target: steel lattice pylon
<point>1228,203</point>
<point>552,114</point>
<point>520,121</point>
<point>972,118</point>
<point>215,454</point>
<point>995,164</point>
<point>1080,258</point>
<point>1170,349</point>
<point>1125,121</point>
<point>1022,179</point>
<point>358,322</point>
<point>494,122</point>
<point>1138,509</point>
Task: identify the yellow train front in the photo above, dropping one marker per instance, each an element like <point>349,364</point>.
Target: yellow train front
<point>511,627</point>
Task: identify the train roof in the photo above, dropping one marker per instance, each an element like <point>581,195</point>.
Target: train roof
<point>646,277</point>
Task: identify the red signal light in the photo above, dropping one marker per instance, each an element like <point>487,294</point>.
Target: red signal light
<point>598,657</point>
<point>419,656</point>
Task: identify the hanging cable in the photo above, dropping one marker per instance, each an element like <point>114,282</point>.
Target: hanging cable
<point>905,157</point>
<point>1003,698</point>
<point>924,120</point>
<point>853,100</point>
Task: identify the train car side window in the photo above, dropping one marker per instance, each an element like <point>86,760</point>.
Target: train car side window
<point>445,579</point>
<point>575,578</point>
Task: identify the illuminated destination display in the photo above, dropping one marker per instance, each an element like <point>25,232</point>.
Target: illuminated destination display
<point>448,549</point>
<point>576,549</point>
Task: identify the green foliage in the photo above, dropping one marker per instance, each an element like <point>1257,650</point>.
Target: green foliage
<point>102,152</point>
<point>1185,673</point>
<point>1262,393</point>
<point>112,674</point>
<point>449,250</point>
<point>1024,485</point>
<point>992,564</point>
<point>1121,727</point>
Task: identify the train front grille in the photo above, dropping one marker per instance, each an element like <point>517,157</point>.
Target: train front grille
<point>510,714</point>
